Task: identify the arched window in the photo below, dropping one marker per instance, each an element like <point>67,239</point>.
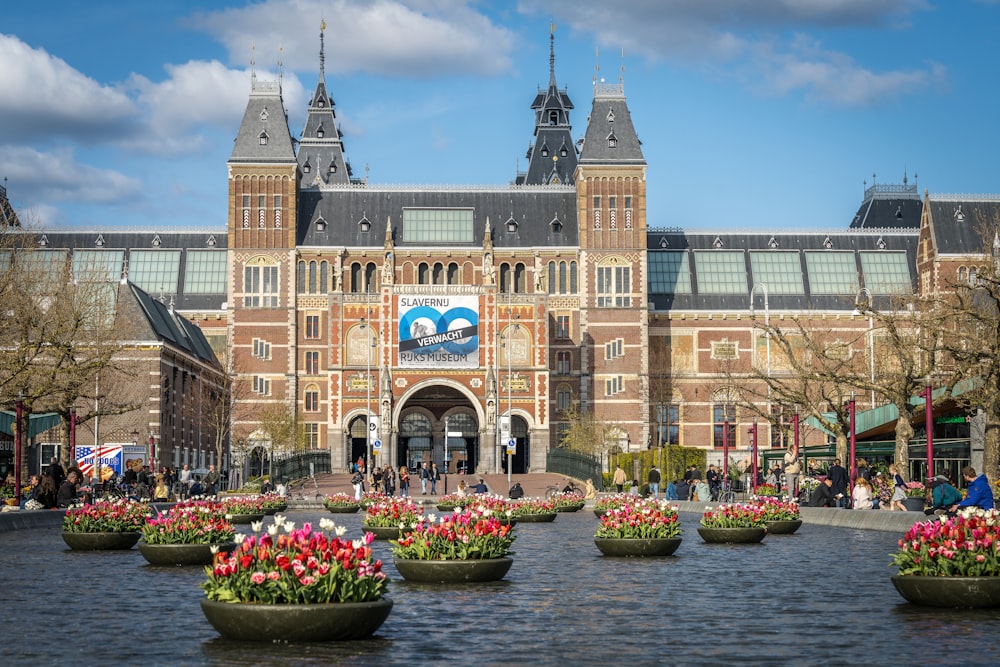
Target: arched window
<point>301,282</point>
<point>312,277</point>
<point>454,278</point>
<point>371,285</point>
<point>519,279</point>
<point>552,278</point>
<point>562,277</point>
<point>963,275</point>
<point>357,278</point>
<point>438,274</point>
<point>324,278</point>
<point>423,274</point>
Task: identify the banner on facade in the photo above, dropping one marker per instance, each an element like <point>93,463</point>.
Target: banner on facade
<point>438,331</point>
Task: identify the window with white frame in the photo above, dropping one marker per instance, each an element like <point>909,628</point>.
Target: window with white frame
<point>312,435</point>
<point>564,397</point>
<point>563,362</point>
<point>614,385</point>
<point>614,349</point>
<point>261,385</point>
<point>261,349</point>
<point>312,327</point>
<point>614,283</point>
<point>312,363</point>
<point>260,286</point>
<point>562,326</point>
<point>311,398</point>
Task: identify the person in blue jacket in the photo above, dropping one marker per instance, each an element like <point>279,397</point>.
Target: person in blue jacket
<point>979,493</point>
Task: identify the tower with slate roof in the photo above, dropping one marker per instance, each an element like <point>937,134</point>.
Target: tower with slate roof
<point>611,214</point>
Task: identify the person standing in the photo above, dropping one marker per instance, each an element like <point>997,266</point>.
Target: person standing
<point>619,478</point>
<point>898,489</point>
<point>433,476</point>
<point>55,471</point>
<point>424,474</point>
<point>404,482</point>
<point>839,479</point>
<point>185,481</point>
<point>712,477</point>
<point>654,482</point>
<point>791,470</point>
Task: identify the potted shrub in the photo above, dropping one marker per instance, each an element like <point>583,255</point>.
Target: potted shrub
<point>644,527</point>
<point>187,534</point>
<point>735,523</point>
<point>780,517</point>
<point>916,497</point>
<point>471,545</point>
<point>341,503</point>
<point>385,519</point>
<point>951,561</point>
<point>290,584</point>
<point>106,524</point>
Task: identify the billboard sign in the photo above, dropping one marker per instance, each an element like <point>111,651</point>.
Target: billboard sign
<point>438,331</point>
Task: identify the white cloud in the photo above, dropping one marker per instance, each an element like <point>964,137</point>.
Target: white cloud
<point>418,38</point>
<point>44,97</point>
<point>759,43</point>
<point>57,177</point>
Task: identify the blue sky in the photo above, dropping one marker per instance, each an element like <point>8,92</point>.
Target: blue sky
<point>754,114</point>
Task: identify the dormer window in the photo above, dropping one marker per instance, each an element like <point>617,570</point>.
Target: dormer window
<point>899,213</point>
<point>612,140</point>
<point>320,132</point>
<point>563,152</point>
<point>320,224</point>
<point>306,168</point>
<point>263,114</point>
<point>545,150</point>
<point>511,225</point>
<point>556,225</point>
<point>553,118</point>
<point>333,167</point>
<point>262,138</point>
<point>43,241</point>
<point>322,103</point>
<point>959,215</point>
<point>364,224</point>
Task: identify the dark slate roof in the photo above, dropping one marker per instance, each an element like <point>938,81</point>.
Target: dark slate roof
<point>610,117</point>
<point>146,240</point>
<point>171,328</point>
<point>553,156</point>
<point>855,241</point>
<point>265,113</point>
<point>889,206</point>
<point>317,153</point>
<point>960,221</point>
<point>342,209</point>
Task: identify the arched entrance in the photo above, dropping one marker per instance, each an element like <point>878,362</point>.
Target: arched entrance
<point>427,417</point>
<point>357,434</point>
<point>519,461</point>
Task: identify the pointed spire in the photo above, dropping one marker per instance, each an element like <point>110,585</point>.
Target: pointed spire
<point>388,232</point>
<point>552,55</point>
<point>322,50</point>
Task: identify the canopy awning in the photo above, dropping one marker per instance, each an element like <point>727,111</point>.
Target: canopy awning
<point>36,423</point>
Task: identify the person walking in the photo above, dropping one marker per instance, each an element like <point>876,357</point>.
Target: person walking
<point>839,478</point>
<point>619,478</point>
<point>404,482</point>
<point>211,481</point>
<point>654,482</point>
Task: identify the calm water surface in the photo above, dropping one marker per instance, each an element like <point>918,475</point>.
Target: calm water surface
<point>821,597</point>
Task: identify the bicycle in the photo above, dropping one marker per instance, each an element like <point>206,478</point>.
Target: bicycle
<point>726,493</point>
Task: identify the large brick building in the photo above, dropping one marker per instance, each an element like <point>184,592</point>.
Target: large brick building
<point>461,309</point>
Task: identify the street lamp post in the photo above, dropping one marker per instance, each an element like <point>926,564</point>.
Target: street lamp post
<point>369,455</point>
<point>725,448</point>
<point>753,458</point>
<point>852,407</point>
<point>929,425</point>
<point>767,333</point>
<point>511,328</point>
<point>867,295</point>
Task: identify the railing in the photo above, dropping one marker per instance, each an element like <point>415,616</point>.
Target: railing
<point>574,464</point>
<point>298,465</point>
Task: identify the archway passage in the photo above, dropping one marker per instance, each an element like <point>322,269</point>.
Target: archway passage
<point>424,424</point>
<point>357,436</point>
<point>519,461</point>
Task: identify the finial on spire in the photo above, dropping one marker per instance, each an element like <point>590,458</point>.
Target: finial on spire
<point>253,61</point>
<point>621,75</point>
<point>322,54</point>
<point>597,65</point>
<point>281,50</point>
